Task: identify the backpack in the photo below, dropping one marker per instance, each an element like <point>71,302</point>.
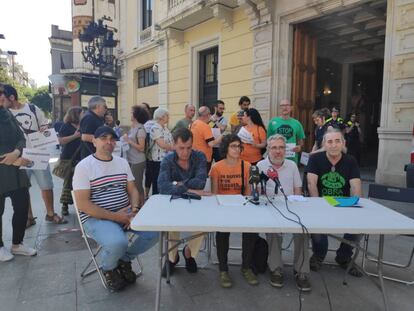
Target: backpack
<point>33,110</point>
<point>261,252</point>
<point>148,147</point>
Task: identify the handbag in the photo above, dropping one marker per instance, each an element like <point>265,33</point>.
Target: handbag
<point>64,168</point>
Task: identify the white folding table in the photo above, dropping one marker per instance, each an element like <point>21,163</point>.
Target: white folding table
<point>162,214</point>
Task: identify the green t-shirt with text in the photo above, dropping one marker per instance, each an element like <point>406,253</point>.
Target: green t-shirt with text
<point>290,128</point>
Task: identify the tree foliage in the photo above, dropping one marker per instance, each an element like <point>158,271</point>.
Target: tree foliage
<point>40,96</point>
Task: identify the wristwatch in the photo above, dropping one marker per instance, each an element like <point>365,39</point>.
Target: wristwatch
<point>135,208</point>
<point>175,183</point>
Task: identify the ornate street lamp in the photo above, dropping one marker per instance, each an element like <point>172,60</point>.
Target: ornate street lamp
<point>98,44</point>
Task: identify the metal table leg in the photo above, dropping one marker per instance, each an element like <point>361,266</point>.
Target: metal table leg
<point>379,267</point>
<point>161,255</point>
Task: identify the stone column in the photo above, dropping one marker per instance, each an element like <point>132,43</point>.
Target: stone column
<point>397,109</point>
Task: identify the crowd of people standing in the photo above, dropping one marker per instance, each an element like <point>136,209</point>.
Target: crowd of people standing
<point>110,190</point>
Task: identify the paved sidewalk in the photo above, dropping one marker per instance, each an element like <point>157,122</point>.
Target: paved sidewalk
<point>51,281</point>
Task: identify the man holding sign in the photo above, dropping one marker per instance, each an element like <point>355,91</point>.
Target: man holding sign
<point>290,128</point>
<point>31,120</point>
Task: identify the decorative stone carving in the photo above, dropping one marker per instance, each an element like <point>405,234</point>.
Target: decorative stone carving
<point>261,102</point>
<point>224,14</point>
<point>406,16</point>
<point>403,90</point>
<point>262,69</point>
<point>176,35</point>
<point>262,52</point>
<point>404,67</point>
<point>403,114</point>
<point>405,41</point>
<point>261,85</point>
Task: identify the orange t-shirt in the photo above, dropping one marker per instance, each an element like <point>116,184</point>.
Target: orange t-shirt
<point>250,153</point>
<point>228,178</point>
<point>202,135</point>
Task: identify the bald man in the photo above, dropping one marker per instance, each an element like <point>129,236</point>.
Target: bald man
<point>289,128</point>
<point>203,139</point>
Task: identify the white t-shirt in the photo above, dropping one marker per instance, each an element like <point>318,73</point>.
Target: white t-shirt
<point>289,176</point>
<point>107,181</point>
<point>27,120</point>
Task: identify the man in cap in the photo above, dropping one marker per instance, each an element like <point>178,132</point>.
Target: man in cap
<point>108,200</point>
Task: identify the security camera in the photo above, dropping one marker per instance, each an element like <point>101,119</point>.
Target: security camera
<point>155,67</point>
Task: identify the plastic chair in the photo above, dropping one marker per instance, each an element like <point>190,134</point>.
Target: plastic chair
<point>94,254</point>
<point>395,194</point>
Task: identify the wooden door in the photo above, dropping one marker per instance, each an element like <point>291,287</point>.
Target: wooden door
<point>304,81</point>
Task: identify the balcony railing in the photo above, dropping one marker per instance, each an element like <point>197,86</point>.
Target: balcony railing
<point>145,35</point>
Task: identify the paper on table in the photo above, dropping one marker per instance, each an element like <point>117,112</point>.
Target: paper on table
<point>43,139</point>
<point>289,152</point>
<point>245,136</point>
<point>304,158</point>
<point>39,159</point>
<point>297,198</point>
<point>231,200</point>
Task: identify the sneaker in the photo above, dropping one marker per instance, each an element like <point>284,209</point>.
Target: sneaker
<point>190,263</point>
<point>114,280</point>
<point>172,267</point>
<point>276,278</point>
<point>225,279</point>
<point>125,269</point>
<point>23,250</point>
<point>5,254</point>
<point>302,282</point>
<point>315,263</point>
<point>249,276</point>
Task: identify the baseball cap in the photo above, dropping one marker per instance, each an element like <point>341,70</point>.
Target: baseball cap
<point>105,130</point>
<point>334,109</point>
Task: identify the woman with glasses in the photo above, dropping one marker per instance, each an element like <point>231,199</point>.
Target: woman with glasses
<point>13,182</point>
<point>253,148</point>
<point>231,176</point>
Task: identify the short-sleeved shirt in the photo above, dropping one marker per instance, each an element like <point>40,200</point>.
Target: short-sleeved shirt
<point>69,149</point>
<point>106,180</point>
<point>88,125</point>
<point>290,128</point>
<point>183,123</point>
<point>135,156</point>
<point>158,131</point>
<point>230,177</point>
<point>149,124</point>
<point>333,180</point>
<point>219,122</point>
<point>28,121</point>
<point>202,135</point>
<point>289,176</point>
<point>250,153</point>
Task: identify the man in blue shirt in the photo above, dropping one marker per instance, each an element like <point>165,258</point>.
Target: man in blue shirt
<point>183,170</point>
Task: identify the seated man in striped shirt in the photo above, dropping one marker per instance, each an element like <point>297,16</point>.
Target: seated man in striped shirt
<point>107,200</point>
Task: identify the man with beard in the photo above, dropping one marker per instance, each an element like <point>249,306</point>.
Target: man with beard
<point>290,128</point>
<point>217,120</point>
<point>333,173</point>
<point>292,184</point>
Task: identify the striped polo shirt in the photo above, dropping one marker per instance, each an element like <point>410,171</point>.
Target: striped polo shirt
<point>106,180</point>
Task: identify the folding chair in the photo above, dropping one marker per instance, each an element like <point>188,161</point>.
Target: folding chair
<point>94,254</point>
<point>395,194</point>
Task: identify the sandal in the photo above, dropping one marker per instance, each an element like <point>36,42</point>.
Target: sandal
<point>31,221</point>
<point>56,219</point>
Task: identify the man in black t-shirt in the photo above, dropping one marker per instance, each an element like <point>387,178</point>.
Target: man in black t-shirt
<point>92,119</point>
<point>333,173</point>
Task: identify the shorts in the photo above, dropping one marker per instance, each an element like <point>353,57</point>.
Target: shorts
<point>43,178</point>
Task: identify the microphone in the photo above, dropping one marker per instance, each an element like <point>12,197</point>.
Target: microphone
<point>274,175</point>
<point>263,182</point>
<point>254,180</point>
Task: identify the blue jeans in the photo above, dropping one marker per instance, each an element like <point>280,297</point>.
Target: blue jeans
<point>114,241</point>
<point>343,253</point>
